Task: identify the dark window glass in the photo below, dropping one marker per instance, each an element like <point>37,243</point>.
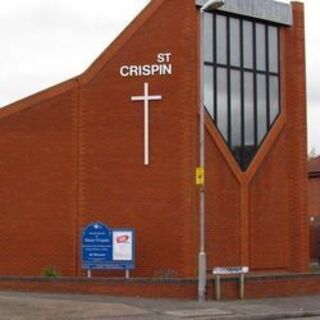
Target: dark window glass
<point>248,109</point>
<point>234,42</point>
<point>242,85</point>
<point>274,98</point>
<point>247,44</point>
<point>222,102</point>
<point>208,89</point>
<point>261,46</point>
<point>235,110</point>
<point>221,36</point>
<point>273,49</point>
<point>261,107</point>
<point>208,37</point>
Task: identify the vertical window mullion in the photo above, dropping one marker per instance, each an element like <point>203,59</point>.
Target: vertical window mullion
<point>229,81</point>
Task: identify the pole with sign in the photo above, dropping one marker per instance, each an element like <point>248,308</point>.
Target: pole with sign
<point>219,271</point>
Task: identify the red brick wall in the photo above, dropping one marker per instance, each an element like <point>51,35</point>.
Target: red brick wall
<point>269,203</point>
<point>223,220</point>
<point>263,212</point>
<point>255,286</point>
<point>314,212</point>
<point>76,156</point>
<point>296,136</point>
<point>38,188</point>
<point>314,196</point>
<point>117,188</point>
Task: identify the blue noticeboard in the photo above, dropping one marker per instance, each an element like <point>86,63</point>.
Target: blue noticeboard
<point>105,248</point>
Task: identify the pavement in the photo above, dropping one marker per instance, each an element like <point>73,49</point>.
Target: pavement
<point>39,306</point>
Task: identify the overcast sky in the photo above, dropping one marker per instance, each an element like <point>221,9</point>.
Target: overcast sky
<point>44,42</point>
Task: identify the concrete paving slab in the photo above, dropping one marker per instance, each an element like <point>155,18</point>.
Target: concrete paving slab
<point>41,306</point>
<point>194,313</point>
<point>257,308</point>
<point>24,308</point>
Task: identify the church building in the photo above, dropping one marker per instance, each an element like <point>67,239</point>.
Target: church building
<point>314,208</point>
<point>119,144</point>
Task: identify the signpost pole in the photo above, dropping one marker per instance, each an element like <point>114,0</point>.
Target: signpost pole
<point>219,271</point>
<point>127,274</point>
<point>88,273</point>
<point>241,286</point>
<point>209,6</point>
<point>218,287</point>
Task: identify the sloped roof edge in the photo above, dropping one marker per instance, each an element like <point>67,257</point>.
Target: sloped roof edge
<point>91,71</point>
<point>314,166</point>
<point>121,40</point>
<point>38,97</point>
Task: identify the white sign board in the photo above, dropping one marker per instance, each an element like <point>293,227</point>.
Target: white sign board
<point>230,270</point>
<point>122,245</point>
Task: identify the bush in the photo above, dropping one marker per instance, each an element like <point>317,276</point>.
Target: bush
<point>50,272</point>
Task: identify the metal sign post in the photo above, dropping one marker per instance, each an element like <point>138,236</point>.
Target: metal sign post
<point>219,271</point>
<point>218,287</point>
<point>242,286</point>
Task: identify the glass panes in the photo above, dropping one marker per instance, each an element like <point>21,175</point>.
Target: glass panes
<point>208,89</point>
<point>261,107</point>
<point>243,80</point>
<point>261,46</point>
<point>222,102</point>
<point>208,37</point>
<point>236,135</point>
<point>247,44</point>
<point>273,49</point>
<point>274,98</point>
<point>235,42</point>
<point>221,36</point>
<point>248,109</point>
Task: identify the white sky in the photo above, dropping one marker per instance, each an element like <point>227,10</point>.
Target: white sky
<point>45,42</point>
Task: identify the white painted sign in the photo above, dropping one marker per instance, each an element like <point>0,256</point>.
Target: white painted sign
<point>162,67</point>
<point>230,270</point>
<point>146,98</point>
<point>122,245</point>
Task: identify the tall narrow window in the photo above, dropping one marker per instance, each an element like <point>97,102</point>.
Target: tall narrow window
<point>242,81</point>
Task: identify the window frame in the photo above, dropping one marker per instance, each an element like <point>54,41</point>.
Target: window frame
<point>243,163</point>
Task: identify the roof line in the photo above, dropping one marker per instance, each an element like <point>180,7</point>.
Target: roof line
<point>91,71</point>
<point>38,97</point>
<point>120,40</point>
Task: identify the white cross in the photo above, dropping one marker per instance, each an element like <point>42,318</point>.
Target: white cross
<point>146,98</point>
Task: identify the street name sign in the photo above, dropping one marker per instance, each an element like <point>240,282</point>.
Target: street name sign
<point>230,270</point>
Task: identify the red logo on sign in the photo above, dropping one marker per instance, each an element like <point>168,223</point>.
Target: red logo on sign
<point>122,239</point>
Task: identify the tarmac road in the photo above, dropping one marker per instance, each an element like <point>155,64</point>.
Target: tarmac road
<point>32,306</point>
<point>308,318</point>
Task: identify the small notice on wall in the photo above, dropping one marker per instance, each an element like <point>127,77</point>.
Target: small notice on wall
<point>122,245</point>
<point>200,176</point>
